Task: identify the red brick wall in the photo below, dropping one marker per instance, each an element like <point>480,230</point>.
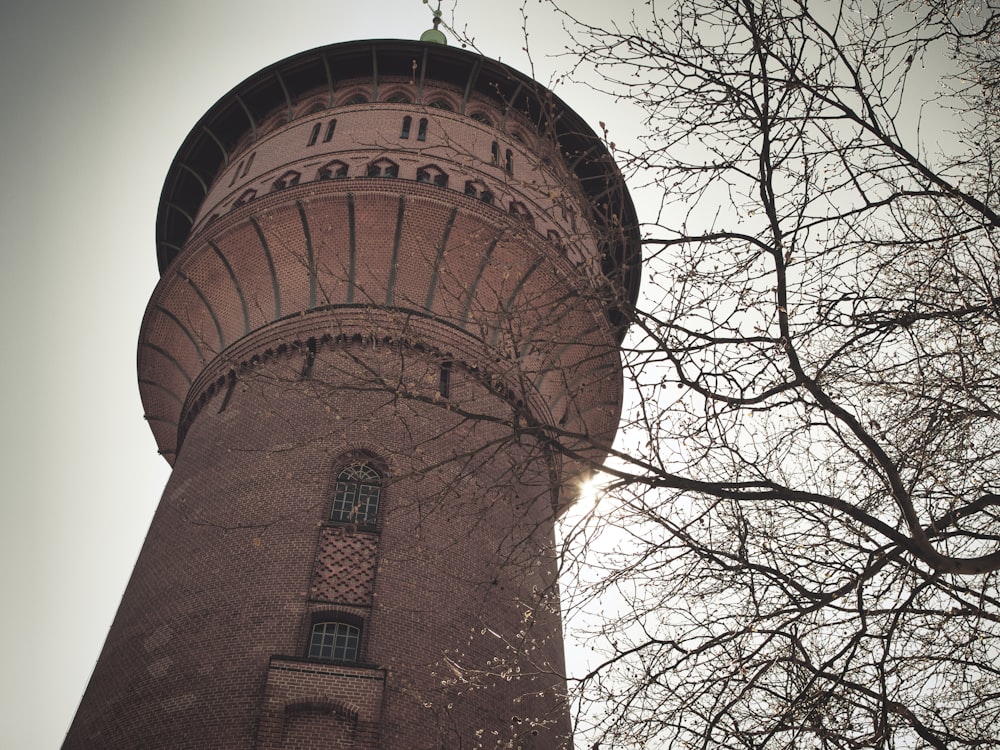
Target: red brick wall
<point>455,589</point>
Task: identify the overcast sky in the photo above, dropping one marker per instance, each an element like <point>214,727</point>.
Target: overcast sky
<point>97,96</point>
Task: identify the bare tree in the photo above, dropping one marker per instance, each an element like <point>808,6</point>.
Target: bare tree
<point>802,528</point>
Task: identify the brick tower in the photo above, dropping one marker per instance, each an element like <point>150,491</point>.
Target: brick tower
<point>382,354</point>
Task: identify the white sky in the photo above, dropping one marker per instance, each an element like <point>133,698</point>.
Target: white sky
<point>97,95</point>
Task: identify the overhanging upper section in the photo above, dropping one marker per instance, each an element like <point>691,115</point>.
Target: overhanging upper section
<point>237,117</point>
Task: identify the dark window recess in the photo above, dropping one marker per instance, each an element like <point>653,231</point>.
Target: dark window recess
<point>422,129</point>
<point>432,175</point>
<point>477,189</point>
<point>246,169</point>
<point>356,99</point>
<point>288,179</point>
<point>236,173</point>
<point>444,380</point>
<point>314,108</point>
<point>495,154</point>
<point>553,235</point>
<point>357,495</point>
<point>398,98</point>
<point>442,104</point>
<point>334,641</point>
<point>330,128</point>
<point>310,360</point>
<point>334,170</point>
<point>480,117</point>
<point>245,197</point>
<point>518,211</point>
<point>383,168</point>
<point>510,162</point>
<point>405,131</point>
<point>314,134</point>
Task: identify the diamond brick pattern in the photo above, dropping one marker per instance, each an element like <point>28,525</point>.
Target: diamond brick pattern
<point>345,567</point>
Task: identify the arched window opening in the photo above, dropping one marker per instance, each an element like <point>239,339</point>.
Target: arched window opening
<point>495,154</point>
<point>355,99</point>
<point>405,132</point>
<point>398,98</point>
<point>328,135</point>
<point>422,129</point>
<point>480,117</point>
<point>442,104</point>
<point>334,641</point>
<point>288,179</point>
<point>432,175</point>
<point>510,162</point>
<point>357,494</point>
<point>314,134</point>
<point>333,170</point>
<point>519,211</point>
<point>383,168</point>
<point>478,190</point>
<point>245,197</point>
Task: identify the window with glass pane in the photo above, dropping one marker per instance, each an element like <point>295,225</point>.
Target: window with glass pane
<point>356,498</point>
<point>336,641</point>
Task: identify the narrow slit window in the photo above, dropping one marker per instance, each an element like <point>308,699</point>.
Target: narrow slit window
<point>405,132</point>
<point>444,380</point>
<point>510,162</point>
<point>328,135</point>
<point>314,134</point>
<point>422,129</point>
<point>496,154</point>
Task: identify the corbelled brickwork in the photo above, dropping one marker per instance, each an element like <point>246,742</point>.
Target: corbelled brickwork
<point>407,262</point>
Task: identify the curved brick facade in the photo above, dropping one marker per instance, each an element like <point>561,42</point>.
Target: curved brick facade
<point>390,268</point>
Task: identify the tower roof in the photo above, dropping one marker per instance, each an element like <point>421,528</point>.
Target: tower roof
<point>210,145</point>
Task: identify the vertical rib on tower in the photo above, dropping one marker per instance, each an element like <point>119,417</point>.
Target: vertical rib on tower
<point>383,351</point>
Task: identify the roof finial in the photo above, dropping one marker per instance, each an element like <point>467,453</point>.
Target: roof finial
<point>434,35</point>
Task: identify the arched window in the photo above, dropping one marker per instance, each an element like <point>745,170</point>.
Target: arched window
<point>422,129</point>
<point>510,162</point>
<point>334,641</point>
<point>333,170</point>
<point>355,99</point>
<point>433,175</point>
<point>398,98</point>
<point>383,168</point>
<point>495,154</point>
<point>314,134</point>
<point>519,211</point>
<point>288,179</point>
<point>480,117</point>
<point>245,197</point>
<point>477,189</point>
<point>357,495</point>
<point>330,128</point>
<point>442,104</point>
<point>405,131</point>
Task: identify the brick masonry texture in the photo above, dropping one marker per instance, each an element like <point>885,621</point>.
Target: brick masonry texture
<point>320,315</point>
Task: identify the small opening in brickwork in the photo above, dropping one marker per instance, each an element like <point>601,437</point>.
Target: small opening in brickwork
<point>330,128</point>
<point>432,175</point>
<point>444,380</point>
<point>357,494</point>
<point>314,134</point>
<point>495,154</point>
<point>310,360</point>
<point>245,197</point>
<point>422,129</point>
<point>510,162</point>
<point>288,179</point>
<point>405,132</point>
<point>334,641</point>
<point>383,168</point>
<point>246,169</point>
<point>519,211</point>
<point>477,189</point>
<point>553,235</point>
<point>333,170</point>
